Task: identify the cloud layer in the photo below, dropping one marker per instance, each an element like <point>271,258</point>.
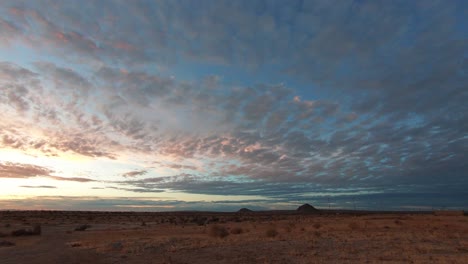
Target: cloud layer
<point>277,99</point>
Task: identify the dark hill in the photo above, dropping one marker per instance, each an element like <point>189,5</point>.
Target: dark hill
<point>306,208</point>
<point>244,210</point>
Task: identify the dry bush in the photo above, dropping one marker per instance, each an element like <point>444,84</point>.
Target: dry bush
<point>3,234</point>
<point>21,232</point>
<point>5,243</point>
<point>317,225</point>
<point>271,232</point>
<point>218,231</point>
<point>36,231</point>
<point>236,230</point>
<point>82,227</point>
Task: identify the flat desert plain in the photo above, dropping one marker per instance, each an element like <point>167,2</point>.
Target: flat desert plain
<point>247,237</point>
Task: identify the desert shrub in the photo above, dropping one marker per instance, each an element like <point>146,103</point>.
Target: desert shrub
<point>271,232</point>
<point>3,234</point>
<point>398,222</point>
<point>218,231</point>
<point>36,231</point>
<point>21,232</point>
<point>82,227</point>
<point>236,230</point>
<point>354,225</point>
<point>317,225</point>
<point>5,243</point>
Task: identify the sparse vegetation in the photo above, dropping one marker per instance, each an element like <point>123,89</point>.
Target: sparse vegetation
<point>357,238</point>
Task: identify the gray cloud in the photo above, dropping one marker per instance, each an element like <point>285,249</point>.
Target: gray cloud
<point>18,170</point>
<point>135,173</point>
<point>75,179</point>
<point>65,78</point>
<point>38,186</point>
<point>126,204</point>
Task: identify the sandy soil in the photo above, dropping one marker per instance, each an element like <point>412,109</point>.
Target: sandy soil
<point>233,238</point>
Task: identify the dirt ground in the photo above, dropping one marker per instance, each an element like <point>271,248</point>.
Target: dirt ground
<point>232,238</point>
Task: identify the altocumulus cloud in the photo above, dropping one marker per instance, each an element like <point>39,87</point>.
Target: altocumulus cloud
<point>283,99</point>
<point>20,170</point>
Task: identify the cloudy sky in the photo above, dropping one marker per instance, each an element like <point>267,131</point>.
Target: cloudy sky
<point>217,105</point>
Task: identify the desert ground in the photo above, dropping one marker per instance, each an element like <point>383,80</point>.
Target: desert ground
<point>241,237</point>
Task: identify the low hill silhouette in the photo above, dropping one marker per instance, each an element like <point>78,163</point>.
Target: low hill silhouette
<point>307,208</point>
<point>244,210</point>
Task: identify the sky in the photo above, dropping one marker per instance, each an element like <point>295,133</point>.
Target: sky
<point>217,105</point>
